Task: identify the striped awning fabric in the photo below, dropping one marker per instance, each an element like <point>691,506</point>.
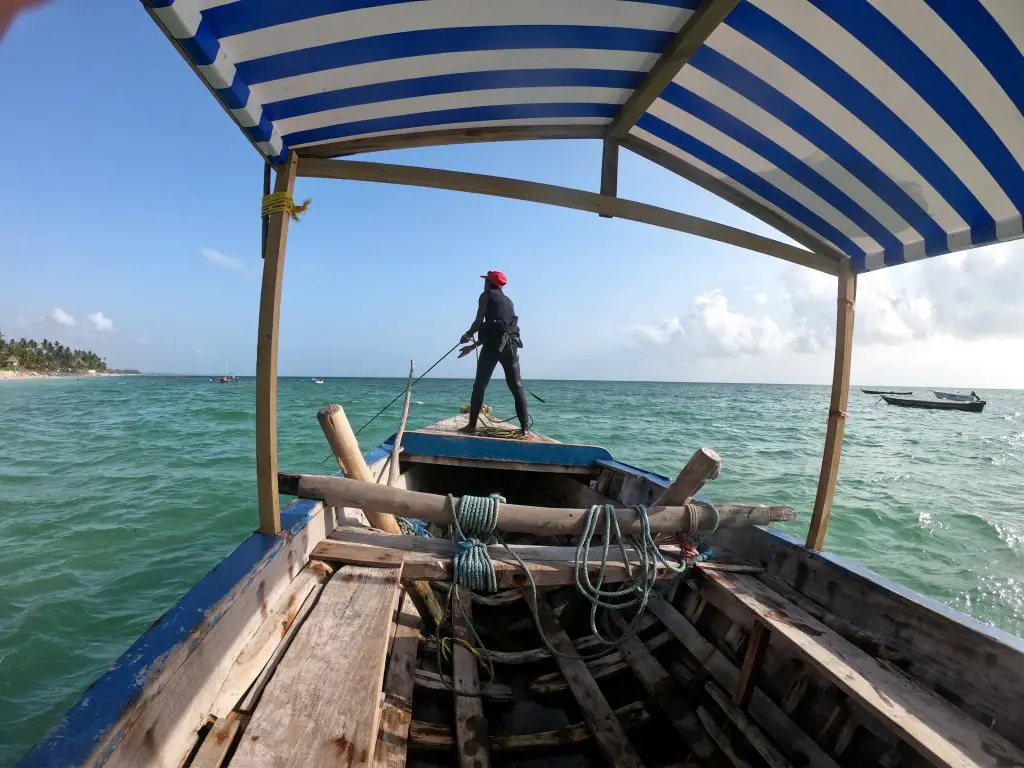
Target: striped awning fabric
<point>891,130</point>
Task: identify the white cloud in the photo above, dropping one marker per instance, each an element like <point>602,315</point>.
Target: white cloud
<point>761,298</point>
<point>712,329</point>
<point>61,317</point>
<point>222,260</point>
<point>101,322</point>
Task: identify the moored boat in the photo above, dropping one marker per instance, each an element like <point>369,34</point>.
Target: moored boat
<point>318,381</point>
<point>954,396</point>
<point>885,392</point>
<point>974,406</point>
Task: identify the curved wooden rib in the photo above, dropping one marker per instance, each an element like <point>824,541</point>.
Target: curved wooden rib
<point>434,736</point>
<point>433,682</point>
<point>611,664</point>
<point>501,598</point>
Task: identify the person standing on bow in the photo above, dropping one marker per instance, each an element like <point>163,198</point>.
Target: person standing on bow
<point>498,326</point>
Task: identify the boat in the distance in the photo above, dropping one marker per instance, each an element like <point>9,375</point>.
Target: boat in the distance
<point>974,406</point>
<point>317,380</point>
<point>885,392</point>
<point>954,396</point>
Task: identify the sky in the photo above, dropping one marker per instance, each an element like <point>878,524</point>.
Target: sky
<point>130,226</point>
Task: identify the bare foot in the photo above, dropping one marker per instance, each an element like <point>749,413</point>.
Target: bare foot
<point>467,430</point>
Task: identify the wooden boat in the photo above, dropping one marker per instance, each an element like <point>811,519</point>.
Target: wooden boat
<point>320,640</point>
<point>953,396</point>
<point>974,406</point>
<point>885,392</point>
<point>318,381</point>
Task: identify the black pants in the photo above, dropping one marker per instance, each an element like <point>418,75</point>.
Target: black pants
<point>509,359</point>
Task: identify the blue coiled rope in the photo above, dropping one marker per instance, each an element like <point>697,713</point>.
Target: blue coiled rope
<point>475,526</point>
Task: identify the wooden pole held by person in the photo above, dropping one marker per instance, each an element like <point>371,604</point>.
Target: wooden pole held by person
<point>837,408</point>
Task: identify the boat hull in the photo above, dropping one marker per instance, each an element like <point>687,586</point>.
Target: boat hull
<point>953,396</point>
<point>974,406</point>
<point>885,392</point>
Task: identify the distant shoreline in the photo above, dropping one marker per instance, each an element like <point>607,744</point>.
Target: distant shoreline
<point>34,375</point>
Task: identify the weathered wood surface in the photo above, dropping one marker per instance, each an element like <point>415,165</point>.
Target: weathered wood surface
<point>508,466</point>
<point>610,664</point>
<point>757,644</point>
<point>599,716</point>
<point>218,741</point>
<point>718,735</point>
<point>159,727</point>
<point>798,746</point>
<point>938,730</point>
<point>432,681</point>
<point>266,354</point>
<point>431,559</point>
<point>322,706</point>
<point>399,684</point>
<point>549,194</point>
<point>470,721</point>
<point>944,649</point>
<point>754,735</point>
<point>847,295</point>
<point>435,736</point>
<point>268,637</point>
<point>664,693</point>
<point>704,465</point>
<point>517,518</point>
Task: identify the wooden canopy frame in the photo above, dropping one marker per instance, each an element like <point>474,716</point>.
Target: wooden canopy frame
<point>316,162</point>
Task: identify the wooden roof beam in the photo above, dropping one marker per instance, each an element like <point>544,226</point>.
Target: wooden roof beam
<point>564,197</point>
<point>687,41</point>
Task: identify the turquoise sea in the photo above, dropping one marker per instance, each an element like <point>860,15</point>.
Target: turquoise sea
<point>117,494</point>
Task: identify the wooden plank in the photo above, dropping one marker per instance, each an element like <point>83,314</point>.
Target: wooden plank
<point>159,726</point>
<point>399,685</point>
<point>757,739</point>
<point>268,637</point>
<point>939,731</point>
<point>513,466</point>
<point>431,559</point>
<point>599,716</point>
<point>470,721</point>
<point>609,170</point>
<point>757,644</point>
<point>821,256</point>
<point>837,408</point>
<point>218,741</point>
<point>799,747</point>
<point>323,704</point>
<point>723,741</point>
<point>564,197</point>
<point>451,136</point>
<point>690,37</point>
<point>432,681</point>
<point>437,736</point>
<point>660,685</point>
<point>266,355</point>
<point>604,666</point>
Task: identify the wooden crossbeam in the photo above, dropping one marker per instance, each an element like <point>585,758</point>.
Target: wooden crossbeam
<point>564,197</point>
<point>688,40</point>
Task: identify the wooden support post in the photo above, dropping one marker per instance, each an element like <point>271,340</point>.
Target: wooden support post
<point>756,646</point>
<point>266,354</point>
<point>393,473</point>
<point>470,721</point>
<point>345,447</point>
<point>609,171</point>
<point>837,408</point>
<point>704,465</point>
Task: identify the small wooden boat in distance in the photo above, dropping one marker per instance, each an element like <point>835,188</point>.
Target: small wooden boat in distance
<point>954,396</point>
<point>885,392</point>
<point>974,406</point>
<point>318,380</point>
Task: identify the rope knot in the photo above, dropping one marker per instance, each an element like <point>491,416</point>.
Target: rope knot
<point>475,518</point>
<point>282,201</point>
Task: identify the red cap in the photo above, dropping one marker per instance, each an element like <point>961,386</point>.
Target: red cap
<point>495,277</point>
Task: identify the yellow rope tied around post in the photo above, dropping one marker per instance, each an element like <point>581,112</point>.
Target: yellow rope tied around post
<point>282,201</point>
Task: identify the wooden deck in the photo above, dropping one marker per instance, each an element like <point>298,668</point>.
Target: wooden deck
<point>451,427</point>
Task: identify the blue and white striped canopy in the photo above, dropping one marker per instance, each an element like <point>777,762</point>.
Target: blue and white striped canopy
<point>891,130</point>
